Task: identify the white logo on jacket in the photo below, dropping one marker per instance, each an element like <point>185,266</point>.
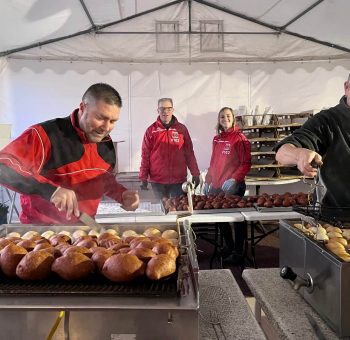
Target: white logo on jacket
<point>227,149</point>
<point>175,136</point>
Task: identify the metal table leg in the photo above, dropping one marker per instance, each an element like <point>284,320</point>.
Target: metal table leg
<point>257,311</point>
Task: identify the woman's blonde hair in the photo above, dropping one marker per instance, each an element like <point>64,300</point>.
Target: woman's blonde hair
<point>218,127</point>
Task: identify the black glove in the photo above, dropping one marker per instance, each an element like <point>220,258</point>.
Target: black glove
<point>195,181</point>
<point>144,185</point>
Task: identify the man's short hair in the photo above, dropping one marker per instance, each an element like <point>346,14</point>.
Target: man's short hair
<point>165,100</point>
<point>105,92</point>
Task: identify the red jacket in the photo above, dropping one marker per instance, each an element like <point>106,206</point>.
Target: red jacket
<point>56,154</point>
<point>167,153</point>
<point>230,158</point>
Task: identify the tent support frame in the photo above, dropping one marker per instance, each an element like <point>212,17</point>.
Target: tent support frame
<point>278,29</point>
<point>307,10</point>
<point>87,13</point>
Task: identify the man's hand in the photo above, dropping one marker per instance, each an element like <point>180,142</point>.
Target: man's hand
<point>66,200</point>
<point>305,158</point>
<point>144,185</point>
<point>289,155</point>
<point>195,181</point>
<point>130,200</point>
<point>229,186</point>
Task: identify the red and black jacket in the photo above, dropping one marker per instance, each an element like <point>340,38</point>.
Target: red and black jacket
<point>230,158</point>
<point>53,154</point>
<point>167,153</point>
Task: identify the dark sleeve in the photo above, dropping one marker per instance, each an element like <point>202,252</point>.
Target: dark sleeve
<point>25,185</point>
<point>21,162</point>
<point>314,135</point>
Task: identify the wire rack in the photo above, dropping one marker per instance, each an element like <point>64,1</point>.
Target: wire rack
<point>339,216</point>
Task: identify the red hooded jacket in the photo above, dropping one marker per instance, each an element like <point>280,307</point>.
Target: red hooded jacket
<point>167,153</point>
<point>56,154</point>
<point>230,158</point>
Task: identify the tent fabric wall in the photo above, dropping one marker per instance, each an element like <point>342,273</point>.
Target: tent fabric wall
<point>275,69</point>
<point>34,91</point>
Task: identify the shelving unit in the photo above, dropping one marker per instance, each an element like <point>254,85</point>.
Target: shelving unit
<point>264,131</point>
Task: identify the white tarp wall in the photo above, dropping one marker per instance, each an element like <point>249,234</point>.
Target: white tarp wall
<point>32,91</point>
<point>264,61</point>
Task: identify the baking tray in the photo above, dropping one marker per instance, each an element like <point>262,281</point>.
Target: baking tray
<point>96,285</point>
<point>212,211</point>
<point>113,209</point>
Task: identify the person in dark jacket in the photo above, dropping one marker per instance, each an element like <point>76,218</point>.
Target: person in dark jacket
<point>167,152</point>
<point>323,141</point>
<point>64,166</point>
<point>229,164</point>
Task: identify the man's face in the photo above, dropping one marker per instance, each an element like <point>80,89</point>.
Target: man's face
<point>165,111</point>
<point>97,119</point>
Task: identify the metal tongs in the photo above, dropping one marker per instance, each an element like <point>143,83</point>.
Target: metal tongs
<point>188,187</point>
<point>313,185</point>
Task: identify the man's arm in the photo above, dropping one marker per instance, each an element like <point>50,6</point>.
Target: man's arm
<point>21,162</point>
<point>127,198</point>
<point>290,155</point>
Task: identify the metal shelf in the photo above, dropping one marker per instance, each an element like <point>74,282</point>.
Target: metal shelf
<point>251,127</point>
<point>265,139</point>
<point>258,153</point>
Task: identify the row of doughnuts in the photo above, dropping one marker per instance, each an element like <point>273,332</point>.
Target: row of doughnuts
<point>34,257</point>
<point>225,201</point>
<point>151,231</point>
<point>335,239</point>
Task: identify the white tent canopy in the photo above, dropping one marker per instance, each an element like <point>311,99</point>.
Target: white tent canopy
<point>292,55</point>
<point>127,31</point>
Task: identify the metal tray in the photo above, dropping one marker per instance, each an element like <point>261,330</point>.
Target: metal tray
<point>273,209</point>
<point>97,284</point>
<point>212,211</point>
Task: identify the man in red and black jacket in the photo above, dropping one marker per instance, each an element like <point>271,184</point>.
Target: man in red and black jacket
<point>64,166</point>
<point>167,152</point>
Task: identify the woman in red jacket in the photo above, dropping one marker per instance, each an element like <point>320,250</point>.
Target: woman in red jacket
<point>229,164</point>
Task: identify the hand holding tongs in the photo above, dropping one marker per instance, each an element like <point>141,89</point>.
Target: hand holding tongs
<point>316,181</point>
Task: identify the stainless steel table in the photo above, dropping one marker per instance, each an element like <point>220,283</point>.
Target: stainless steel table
<point>256,216</point>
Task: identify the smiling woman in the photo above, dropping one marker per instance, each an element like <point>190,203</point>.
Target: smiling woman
<point>229,164</point>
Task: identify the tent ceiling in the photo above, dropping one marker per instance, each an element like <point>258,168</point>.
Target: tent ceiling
<point>316,29</point>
